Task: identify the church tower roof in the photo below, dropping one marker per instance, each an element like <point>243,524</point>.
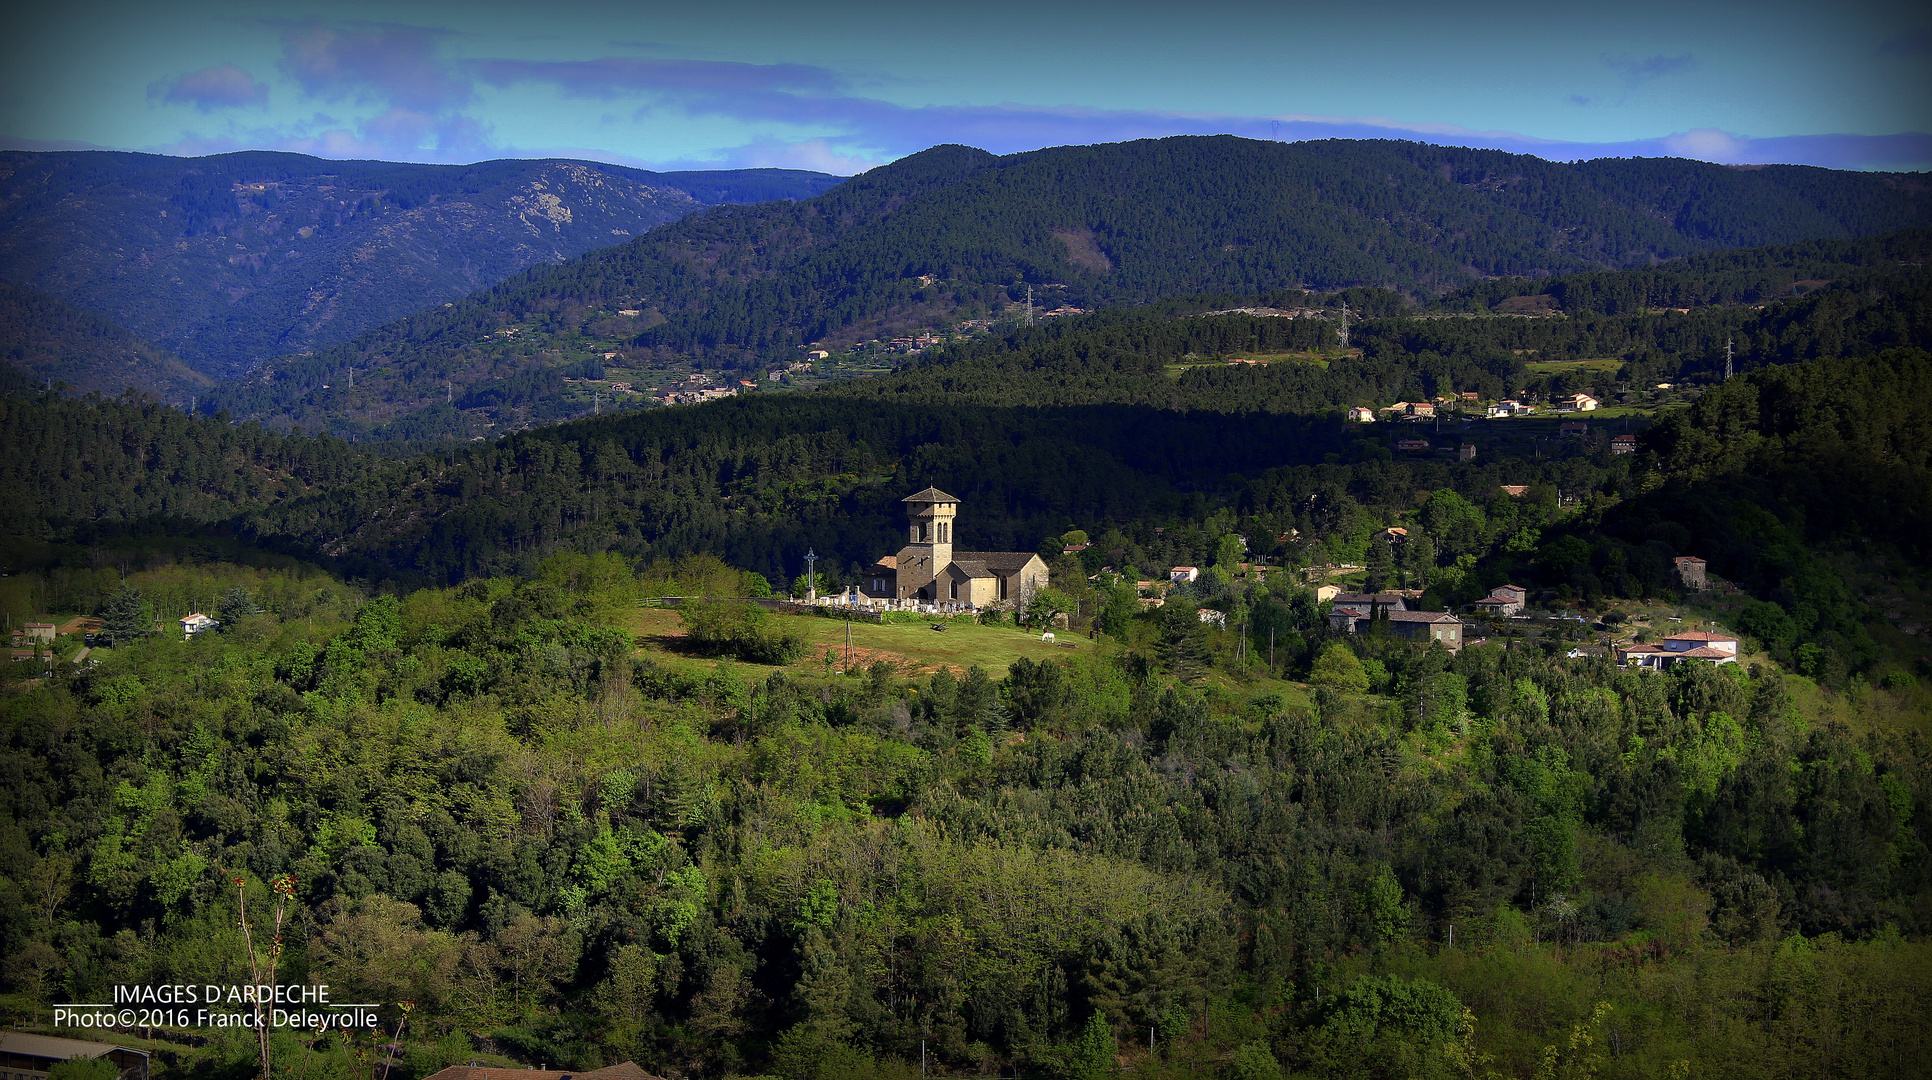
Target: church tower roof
<point>930,495</point>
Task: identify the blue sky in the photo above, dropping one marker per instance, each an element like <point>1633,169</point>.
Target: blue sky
<point>844,86</point>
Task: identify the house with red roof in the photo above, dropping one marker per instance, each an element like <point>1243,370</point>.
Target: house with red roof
<point>1690,645</point>
<point>1503,600</point>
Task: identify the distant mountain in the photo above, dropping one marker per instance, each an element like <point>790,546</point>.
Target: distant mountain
<point>954,232</point>
<point>45,339</point>
<point>234,259</point>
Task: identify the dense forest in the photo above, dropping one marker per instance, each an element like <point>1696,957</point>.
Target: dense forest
<point>1143,858</point>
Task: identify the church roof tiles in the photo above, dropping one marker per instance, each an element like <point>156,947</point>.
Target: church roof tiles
<point>996,560</point>
<point>930,495</point>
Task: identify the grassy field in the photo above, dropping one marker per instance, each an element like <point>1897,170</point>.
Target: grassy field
<point>914,648</point>
<point>918,651</point>
<point>1558,367</point>
<point>1318,359</point>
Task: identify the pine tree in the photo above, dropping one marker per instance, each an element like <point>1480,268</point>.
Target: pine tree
<point>1183,644</point>
<point>127,616</point>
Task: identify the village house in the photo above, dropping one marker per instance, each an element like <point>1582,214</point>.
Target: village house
<point>1510,407</point>
<point>1437,626</point>
<point>197,623</point>
<point>1394,535</point>
<point>1411,444</point>
<point>1349,608</point>
<point>1690,645</point>
<point>1503,600</point>
<point>1623,444</point>
<point>1575,429</point>
<point>1691,572</point>
<point>1361,414</point>
<point>34,631</point>
<point>1466,452</point>
<point>928,568</point>
<point>1577,403</point>
<point>1181,575</point>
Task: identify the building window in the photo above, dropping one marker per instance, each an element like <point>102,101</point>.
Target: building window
<point>1002,588</point>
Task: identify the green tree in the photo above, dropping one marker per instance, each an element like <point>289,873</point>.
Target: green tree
<point>1418,556</point>
<point>1381,566</point>
<point>1118,612</point>
<point>1183,644</point>
<point>1338,668</point>
<point>127,617</point>
<point>1382,905</point>
<point>236,604</point>
<point>99,1068</point>
<point>1254,1061</point>
<point>1045,605</point>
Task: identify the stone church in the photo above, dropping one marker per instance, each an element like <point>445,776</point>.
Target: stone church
<point>928,569</point>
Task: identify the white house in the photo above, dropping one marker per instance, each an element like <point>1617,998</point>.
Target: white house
<point>1182,574</point>
<point>197,623</point>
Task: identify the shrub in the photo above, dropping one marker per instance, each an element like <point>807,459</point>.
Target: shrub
<point>740,631</point>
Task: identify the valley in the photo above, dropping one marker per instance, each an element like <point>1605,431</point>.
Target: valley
<point>1533,680</point>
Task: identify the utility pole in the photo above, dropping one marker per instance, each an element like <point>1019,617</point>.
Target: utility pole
<point>1343,332</point>
<point>811,577</point>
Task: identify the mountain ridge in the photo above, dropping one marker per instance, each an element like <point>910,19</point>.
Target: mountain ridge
<point>233,259</point>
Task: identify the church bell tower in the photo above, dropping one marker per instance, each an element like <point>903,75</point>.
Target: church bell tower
<point>929,541</point>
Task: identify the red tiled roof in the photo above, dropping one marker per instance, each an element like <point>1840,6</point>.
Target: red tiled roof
<point>1700,635</point>
<point>1705,652</point>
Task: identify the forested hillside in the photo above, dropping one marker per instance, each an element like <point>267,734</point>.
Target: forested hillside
<point>953,233</point>
<point>46,341</point>
<point>234,259</point>
<point>68,465</point>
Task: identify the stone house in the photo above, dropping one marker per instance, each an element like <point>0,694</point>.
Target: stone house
<point>1690,571</point>
<point>1439,626</point>
<point>1503,600</point>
